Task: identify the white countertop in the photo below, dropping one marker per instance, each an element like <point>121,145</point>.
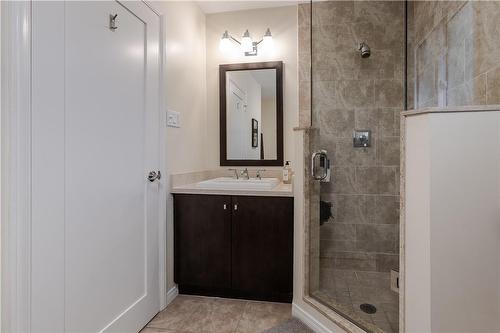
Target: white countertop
<point>282,190</point>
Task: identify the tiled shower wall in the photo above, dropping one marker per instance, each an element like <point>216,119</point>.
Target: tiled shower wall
<point>453,53</point>
<point>350,93</point>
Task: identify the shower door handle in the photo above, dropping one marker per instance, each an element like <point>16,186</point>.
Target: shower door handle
<point>320,162</point>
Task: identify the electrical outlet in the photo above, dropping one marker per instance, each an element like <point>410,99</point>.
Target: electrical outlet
<point>173,119</point>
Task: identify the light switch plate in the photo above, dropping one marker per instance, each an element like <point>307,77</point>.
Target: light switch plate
<point>173,119</point>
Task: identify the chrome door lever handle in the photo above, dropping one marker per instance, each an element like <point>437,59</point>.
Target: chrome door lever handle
<point>154,175</point>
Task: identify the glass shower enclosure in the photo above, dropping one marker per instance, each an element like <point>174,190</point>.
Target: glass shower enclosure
<point>355,62</point>
<point>361,64</point>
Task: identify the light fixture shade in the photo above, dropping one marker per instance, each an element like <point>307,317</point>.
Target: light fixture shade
<point>246,42</point>
<point>267,41</point>
<point>225,42</point>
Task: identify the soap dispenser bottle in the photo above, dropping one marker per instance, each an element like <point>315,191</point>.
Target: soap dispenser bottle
<point>287,173</point>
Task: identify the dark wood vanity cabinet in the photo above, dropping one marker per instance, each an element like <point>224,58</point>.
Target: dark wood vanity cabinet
<point>262,247</point>
<point>234,246</point>
<point>202,241</point>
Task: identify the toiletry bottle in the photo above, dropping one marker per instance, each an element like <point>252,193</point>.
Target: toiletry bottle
<point>287,173</point>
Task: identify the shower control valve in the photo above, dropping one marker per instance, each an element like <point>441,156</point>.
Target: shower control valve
<point>361,139</point>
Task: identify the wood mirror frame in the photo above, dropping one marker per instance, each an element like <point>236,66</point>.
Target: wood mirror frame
<point>223,69</point>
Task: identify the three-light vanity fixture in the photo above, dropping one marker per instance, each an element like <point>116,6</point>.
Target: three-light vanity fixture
<point>247,45</point>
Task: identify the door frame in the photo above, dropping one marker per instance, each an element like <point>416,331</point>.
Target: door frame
<point>15,201</point>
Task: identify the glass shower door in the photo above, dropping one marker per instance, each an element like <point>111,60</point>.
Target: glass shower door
<point>357,92</point>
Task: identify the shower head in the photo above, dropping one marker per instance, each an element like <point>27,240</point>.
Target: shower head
<point>364,49</point>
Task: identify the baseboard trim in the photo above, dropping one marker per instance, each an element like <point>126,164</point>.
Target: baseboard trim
<point>307,319</point>
<point>172,294</point>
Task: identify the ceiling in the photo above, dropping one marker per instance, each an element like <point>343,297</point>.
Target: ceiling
<point>211,7</point>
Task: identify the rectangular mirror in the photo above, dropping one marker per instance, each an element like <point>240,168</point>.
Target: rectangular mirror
<point>251,114</point>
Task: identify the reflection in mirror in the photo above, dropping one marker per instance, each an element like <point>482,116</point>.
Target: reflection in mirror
<point>251,114</point>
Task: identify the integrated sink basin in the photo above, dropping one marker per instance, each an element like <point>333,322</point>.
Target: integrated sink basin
<point>229,183</point>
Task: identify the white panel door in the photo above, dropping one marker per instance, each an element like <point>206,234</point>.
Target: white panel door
<point>95,139</point>
<point>236,124</point>
<point>236,138</point>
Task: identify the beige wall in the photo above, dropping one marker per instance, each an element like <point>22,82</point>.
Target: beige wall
<point>185,84</point>
<point>283,24</point>
<point>185,88</point>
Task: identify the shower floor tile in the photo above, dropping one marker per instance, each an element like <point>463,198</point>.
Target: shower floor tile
<point>346,290</point>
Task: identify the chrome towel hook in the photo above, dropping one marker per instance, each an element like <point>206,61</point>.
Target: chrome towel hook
<point>112,22</point>
<point>153,175</point>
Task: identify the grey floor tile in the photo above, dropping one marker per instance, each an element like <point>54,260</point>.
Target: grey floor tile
<point>192,314</point>
<point>259,316</point>
<point>177,314</point>
<point>216,316</point>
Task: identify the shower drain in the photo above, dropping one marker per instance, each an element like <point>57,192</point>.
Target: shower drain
<point>368,308</point>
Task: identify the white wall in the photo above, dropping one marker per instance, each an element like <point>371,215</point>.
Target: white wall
<point>185,83</point>
<point>283,24</point>
<point>185,87</point>
<point>452,222</point>
<point>417,234</point>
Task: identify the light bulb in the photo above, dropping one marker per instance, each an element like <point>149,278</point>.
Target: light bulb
<point>246,42</point>
<point>267,41</point>
<point>225,43</point>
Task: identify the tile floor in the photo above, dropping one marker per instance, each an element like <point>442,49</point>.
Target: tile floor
<point>346,290</point>
<point>194,314</point>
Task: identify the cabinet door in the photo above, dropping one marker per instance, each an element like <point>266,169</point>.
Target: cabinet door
<point>202,241</point>
<point>262,248</point>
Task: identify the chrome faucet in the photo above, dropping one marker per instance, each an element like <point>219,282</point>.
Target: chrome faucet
<point>244,173</point>
<point>235,173</point>
<point>258,175</point>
